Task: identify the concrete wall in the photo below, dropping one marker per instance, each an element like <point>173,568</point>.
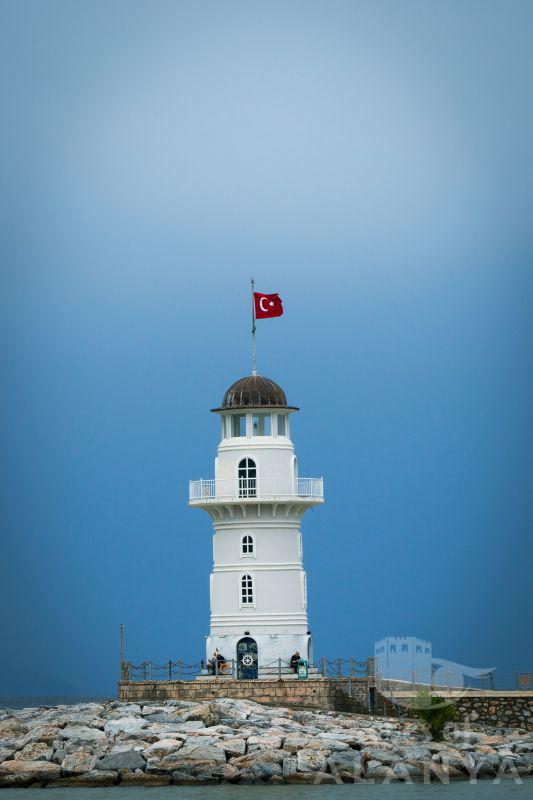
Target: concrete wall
<point>284,539</point>
<point>500,709</point>
<point>312,693</point>
<point>270,647</point>
<point>509,710</point>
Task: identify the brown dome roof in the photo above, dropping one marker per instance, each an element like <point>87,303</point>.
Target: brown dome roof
<point>254,391</point>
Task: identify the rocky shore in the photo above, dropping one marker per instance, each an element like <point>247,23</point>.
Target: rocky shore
<point>239,741</point>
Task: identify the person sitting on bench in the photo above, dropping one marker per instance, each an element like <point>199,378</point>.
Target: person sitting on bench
<point>211,668</point>
<point>212,664</point>
<point>294,661</point>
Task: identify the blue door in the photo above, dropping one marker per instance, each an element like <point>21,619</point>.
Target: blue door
<point>247,662</point>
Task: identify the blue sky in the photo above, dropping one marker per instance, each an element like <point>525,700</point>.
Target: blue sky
<point>369,161</point>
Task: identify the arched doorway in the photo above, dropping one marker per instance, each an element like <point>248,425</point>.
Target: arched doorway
<point>247,478</point>
<point>247,660</point>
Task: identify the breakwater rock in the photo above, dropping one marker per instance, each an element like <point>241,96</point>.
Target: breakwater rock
<point>239,741</point>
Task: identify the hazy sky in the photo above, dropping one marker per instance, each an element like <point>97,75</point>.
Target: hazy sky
<point>371,162</point>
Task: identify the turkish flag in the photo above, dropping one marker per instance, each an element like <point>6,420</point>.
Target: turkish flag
<point>267,305</point>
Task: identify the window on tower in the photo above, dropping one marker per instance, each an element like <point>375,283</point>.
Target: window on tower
<point>238,425</point>
<point>247,478</point>
<point>247,545</point>
<point>261,424</point>
<point>282,427</point>
<point>247,590</point>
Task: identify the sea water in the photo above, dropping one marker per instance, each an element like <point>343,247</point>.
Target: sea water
<point>455,790</point>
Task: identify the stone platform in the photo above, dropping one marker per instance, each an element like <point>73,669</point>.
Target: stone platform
<point>315,692</point>
<point>504,708</point>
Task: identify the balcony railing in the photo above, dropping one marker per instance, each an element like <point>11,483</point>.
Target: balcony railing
<point>256,488</point>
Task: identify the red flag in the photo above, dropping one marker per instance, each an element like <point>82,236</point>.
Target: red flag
<point>267,305</point>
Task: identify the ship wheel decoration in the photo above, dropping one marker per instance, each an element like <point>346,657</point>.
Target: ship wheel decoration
<point>247,660</point>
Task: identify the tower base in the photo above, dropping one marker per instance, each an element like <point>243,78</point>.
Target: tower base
<point>270,649</point>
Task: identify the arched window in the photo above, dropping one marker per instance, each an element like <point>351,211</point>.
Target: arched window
<point>247,478</point>
<point>247,545</point>
<point>247,590</point>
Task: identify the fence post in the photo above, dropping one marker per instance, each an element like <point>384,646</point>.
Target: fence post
<point>413,679</point>
<point>339,667</point>
<point>169,669</point>
<point>350,677</point>
<point>232,667</point>
<point>121,652</point>
<point>491,679</point>
<point>370,667</point>
<point>144,670</point>
<point>323,666</point>
<point>150,673</point>
<point>216,667</point>
<point>279,668</point>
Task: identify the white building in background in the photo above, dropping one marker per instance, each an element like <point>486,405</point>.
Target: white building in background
<point>256,500</point>
<point>404,658</point>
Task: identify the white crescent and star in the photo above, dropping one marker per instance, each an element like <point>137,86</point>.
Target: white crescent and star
<point>270,303</point>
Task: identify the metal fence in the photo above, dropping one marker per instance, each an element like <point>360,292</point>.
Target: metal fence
<point>149,671</point>
<point>346,668</point>
<point>260,488</point>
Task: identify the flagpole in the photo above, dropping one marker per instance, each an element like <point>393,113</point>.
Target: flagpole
<point>254,364</point>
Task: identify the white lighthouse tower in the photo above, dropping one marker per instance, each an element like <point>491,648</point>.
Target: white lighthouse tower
<point>256,501</point>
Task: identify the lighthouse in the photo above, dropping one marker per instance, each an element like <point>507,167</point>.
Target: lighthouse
<point>256,500</point>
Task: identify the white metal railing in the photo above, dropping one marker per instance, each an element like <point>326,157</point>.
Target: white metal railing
<point>249,488</point>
